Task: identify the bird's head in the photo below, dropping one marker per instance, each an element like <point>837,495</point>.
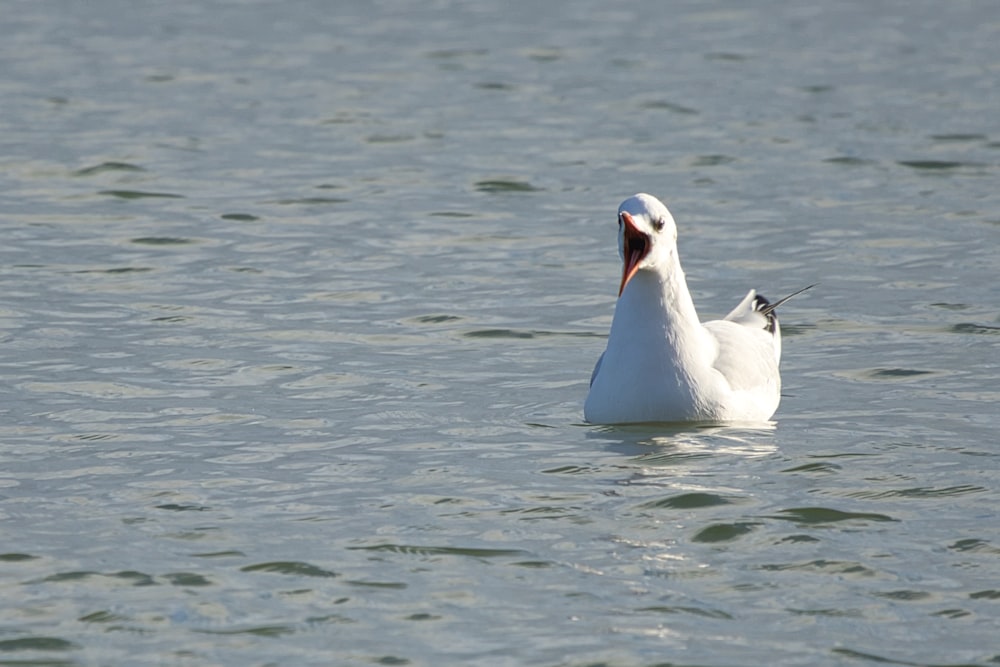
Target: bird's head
<point>647,235</point>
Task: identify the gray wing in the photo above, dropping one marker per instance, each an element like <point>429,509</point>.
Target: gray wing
<point>597,369</point>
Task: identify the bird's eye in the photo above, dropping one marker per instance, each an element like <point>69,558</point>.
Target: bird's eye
<point>658,224</point>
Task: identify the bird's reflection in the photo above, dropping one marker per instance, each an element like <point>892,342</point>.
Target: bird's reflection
<point>667,444</point>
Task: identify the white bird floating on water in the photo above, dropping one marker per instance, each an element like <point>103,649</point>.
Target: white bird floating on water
<point>664,365</point>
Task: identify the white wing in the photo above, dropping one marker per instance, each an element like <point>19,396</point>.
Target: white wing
<point>747,355</point>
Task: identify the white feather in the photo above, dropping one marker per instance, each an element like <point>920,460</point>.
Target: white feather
<point>661,362</point>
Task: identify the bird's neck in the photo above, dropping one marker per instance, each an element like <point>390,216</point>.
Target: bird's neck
<point>657,305</point>
<point>663,291</point>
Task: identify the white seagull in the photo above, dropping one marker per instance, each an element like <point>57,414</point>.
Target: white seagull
<point>662,364</point>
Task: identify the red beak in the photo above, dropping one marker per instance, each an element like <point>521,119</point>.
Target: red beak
<point>635,247</point>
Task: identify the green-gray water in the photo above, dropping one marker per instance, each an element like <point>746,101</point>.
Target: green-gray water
<point>300,302</point>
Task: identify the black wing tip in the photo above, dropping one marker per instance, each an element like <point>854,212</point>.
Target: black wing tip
<point>763,306</point>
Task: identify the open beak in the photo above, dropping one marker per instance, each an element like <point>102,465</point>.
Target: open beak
<point>635,247</point>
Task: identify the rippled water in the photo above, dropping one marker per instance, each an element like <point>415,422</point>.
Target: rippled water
<point>301,300</point>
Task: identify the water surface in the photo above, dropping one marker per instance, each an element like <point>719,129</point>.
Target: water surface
<point>300,304</point>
